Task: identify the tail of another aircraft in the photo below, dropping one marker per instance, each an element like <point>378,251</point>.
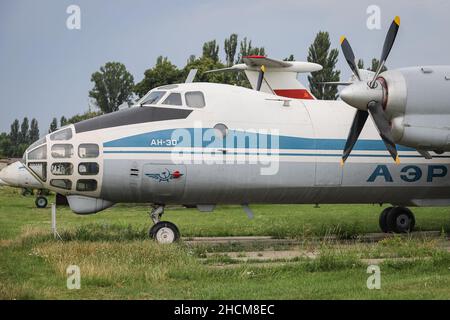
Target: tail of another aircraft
<point>279,77</point>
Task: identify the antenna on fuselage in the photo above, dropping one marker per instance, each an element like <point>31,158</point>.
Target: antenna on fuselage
<point>191,76</point>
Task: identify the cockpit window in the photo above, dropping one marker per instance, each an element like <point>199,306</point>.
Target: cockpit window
<point>38,153</point>
<point>62,169</point>
<point>61,183</point>
<point>40,169</point>
<point>153,97</point>
<point>195,99</point>
<point>62,151</point>
<point>61,135</point>
<point>37,143</point>
<point>173,99</point>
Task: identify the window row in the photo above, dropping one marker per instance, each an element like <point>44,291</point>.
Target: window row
<point>194,99</point>
<point>83,185</point>
<point>65,151</point>
<point>66,169</point>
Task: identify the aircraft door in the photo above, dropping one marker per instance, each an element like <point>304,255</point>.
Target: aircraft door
<point>163,183</point>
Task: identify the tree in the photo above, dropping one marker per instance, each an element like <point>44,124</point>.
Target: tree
<point>211,50</point>
<point>360,64</point>
<point>113,85</point>
<point>290,58</point>
<point>376,64</point>
<point>205,64</point>
<point>14,133</point>
<point>24,132</point>
<point>62,121</point>
<point>5,145</point>
<point>319,52</point>
<point>230,46</point>
<point>53,126</point>
<point>34,131</point>
<point>82,117</point>
<point>164,72</point>
<point>246,49</point>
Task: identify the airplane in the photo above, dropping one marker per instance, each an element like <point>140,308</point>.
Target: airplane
<point>207,144</point>
<point>16,175</point>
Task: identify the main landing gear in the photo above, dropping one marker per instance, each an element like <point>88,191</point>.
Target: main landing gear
<point>162,231</point>
<point>397,220</point>
<point>41,202</point>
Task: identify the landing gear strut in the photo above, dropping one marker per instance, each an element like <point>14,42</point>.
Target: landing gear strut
<point>397,220</point>
<point>162,231</point>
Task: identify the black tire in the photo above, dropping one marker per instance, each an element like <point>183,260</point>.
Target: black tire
<point>383,220</point>
<point>164,232</point>
<point>400,220</point>
<point>41,202</point>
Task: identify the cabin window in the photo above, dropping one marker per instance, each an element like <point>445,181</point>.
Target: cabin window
<point>40,169</point>
<point>88,168</point>
<point>86,185</point>
<point>195,99</point>
<point>61,183</point>
<point>153,97</point>
<point>88,150</point>
<point>221,130</point>
<point>62,135</point>
<point>174,99</point>
<point>62,151</point>
<point>38,153</point>
<point>62,169</point>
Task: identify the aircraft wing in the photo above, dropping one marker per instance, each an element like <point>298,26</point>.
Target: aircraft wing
<point>257,61</point>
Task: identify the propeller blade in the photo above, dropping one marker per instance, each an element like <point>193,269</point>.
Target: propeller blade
<point>384,128</point>
<point>260,78</point>
<point>349,56</point>
<point>335,83</point>
<point>358,123</point>
<point>388,43</point>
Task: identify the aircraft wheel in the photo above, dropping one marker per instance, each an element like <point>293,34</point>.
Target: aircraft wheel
<point>383,219</point>
<point>400,220</point>
<point>41,202</point>
<point>164,232</point>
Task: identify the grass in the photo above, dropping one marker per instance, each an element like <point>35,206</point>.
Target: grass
<point>117,261</point>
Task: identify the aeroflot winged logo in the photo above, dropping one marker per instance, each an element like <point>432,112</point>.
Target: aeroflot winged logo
<point>165,175</point>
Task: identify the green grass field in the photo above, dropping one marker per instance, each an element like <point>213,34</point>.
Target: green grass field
<point>117,261</point>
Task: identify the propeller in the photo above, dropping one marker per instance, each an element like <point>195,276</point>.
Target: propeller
<point>368,97</point>
<point>260,78</point>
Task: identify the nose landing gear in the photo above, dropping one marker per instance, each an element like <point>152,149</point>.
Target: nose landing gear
<point>397,220</point>
<point>162,231</point>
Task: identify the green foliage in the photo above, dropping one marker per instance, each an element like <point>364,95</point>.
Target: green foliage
<point>360,64</point>
<point>211,50</point>
<point>319,52</point>
<point>164,72</point>
<point>247,50</point>
<point>204,64</point>
<point>62,121</point>
<point>290,58</point>
<point>53,126</point>
<point>84,116</point>
<point>376,64</point>
<point>230,47</point>
<point>113,85</point>
<point>34,131</point>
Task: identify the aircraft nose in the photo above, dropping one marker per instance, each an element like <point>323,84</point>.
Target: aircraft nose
<point>5,176</point>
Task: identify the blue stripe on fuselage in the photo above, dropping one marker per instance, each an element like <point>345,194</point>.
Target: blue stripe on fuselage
<point>202,137</point>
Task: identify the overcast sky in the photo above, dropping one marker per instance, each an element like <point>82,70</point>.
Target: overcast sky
<point>45,68</point>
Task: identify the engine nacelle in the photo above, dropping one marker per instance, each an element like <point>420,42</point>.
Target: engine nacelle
<point>87,205</point>
<point>418,105</point>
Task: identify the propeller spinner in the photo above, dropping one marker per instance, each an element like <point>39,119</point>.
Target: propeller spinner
<point>368,98</point>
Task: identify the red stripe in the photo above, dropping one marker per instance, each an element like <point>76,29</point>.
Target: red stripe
<point>294,93</point>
